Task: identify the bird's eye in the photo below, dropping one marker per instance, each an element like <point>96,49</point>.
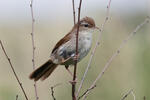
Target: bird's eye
<point>86,25</point>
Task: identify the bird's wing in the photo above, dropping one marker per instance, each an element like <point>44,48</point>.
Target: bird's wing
<point>65,39</point>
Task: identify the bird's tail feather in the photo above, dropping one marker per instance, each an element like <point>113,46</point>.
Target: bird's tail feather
<point>43,71</point>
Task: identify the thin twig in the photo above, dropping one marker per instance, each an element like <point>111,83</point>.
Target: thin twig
<point>133,95</point>
<point>94,50</point>
<point>20,84</point>
<point>118,51</point>
<point>128,93</point>
<point>74,13</point>
<point>52,90</point>
<point>33,47</point>
<point>75,65</point>
<point>16,97</point>
<point>144,98</point>
<point>32,33</point>
<point>86,92</point>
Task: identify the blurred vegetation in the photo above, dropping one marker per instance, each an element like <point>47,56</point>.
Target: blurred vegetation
<point>129,70</point>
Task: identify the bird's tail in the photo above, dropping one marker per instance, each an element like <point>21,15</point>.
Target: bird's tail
<point>43,71</point>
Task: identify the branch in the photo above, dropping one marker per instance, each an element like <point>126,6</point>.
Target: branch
<point>74,13</point>
<point>52,90</point>
<point>144,98</point>
<point>126,95</point>
<point>75,65</point>
<point>96,45</point>
<point>16,97</point>
<point>133,95</point>
<point>20,84</point>
<point>33,47</point>
<point>118,51</point>
<point>32,34</point>
<point>86,92</point>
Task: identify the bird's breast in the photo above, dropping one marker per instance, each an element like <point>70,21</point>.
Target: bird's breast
<point>85,41</point>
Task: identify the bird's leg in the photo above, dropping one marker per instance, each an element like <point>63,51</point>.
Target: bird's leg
<point>67,68</point>
<point>64,60</point>
<point>75,57</point>
<point>72,82</point>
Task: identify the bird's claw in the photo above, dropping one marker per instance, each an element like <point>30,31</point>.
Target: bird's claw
<point>76,57</point>
<point>73,82</point>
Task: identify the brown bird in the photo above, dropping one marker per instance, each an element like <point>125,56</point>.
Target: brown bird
<point>64,51</point>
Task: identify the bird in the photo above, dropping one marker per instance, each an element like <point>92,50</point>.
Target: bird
<point>64,51</point>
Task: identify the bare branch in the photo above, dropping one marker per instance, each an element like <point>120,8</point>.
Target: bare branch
<point>75,65</point>
<point>20,84</point>
<point>128,93</point>
<point>33,47</point>
<point>118,51</point>
<point>16,97</point>
<point>133,95</point>
<point>86,92</point>
<point>52,90</point>
<point>32,35</point>
<point>144,98</point>
<point>96,45</point>
<point>74,13</point>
